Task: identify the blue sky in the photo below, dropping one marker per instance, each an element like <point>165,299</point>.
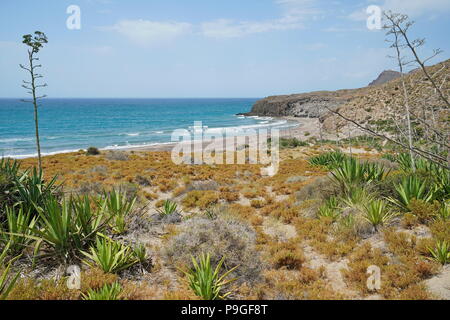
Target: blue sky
<point>204,48</point>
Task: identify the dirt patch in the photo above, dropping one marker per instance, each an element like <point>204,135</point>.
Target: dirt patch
<point>440,285</point>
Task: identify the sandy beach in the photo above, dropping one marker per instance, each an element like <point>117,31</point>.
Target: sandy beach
<point>309,126</point>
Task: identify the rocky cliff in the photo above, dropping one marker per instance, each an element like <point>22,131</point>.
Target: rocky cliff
<point>306,105</point>
<point>379,101</point>
<point>385,76</point>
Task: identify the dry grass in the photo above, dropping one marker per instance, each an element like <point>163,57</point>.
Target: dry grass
<point>242,200</point>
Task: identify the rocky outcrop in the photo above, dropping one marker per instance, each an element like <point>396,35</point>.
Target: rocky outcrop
<point>376,104</point>
<point>306,105</point>
<point>385,76</point>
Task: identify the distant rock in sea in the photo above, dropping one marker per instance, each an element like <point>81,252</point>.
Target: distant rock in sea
<point>385,76</point>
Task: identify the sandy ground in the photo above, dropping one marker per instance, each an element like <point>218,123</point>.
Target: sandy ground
<point>306,129</point>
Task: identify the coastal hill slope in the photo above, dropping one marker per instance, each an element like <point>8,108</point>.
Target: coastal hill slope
<point>385,76</point>
<point>378,101</point>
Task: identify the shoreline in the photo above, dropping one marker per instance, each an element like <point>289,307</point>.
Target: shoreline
<point>302,125</point>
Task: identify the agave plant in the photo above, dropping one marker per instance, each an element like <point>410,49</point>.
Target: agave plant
<point>410,188</point>
<point>404,160</point>
<point>327,212</point>
<point>347,221</point>
<point>330,209</point>
<point>88,219</point>
<point>67,227</point>
<point>18,229</point>
<point>348,173</point>
<point>441,180</point>
<point>9,173</point>
<point>207,282</point>
<point>118,207</point>
<point>168,208</point>
<point>374,172</point>
<point>140,253</point>
<point>107,292</point>
<point>7,280</point>
<point>330,159</point>
<point>110,256</point>
<point>357,197</point>
<point>444,212</point>
<point>31,190</point>
<point>377,213</point>
<point>351,172</point>
<point>9,167</point>
<point>441,252</point>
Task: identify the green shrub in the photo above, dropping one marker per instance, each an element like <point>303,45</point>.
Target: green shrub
<point>32,191</point>
<point>67,227</point>
<point>118,207</point>
<point>107,292</point>
<point>110,256</point>
<point>168,208</point>
<point>7,280</point>
<point>330,160</point>
<point>9,172</point>
<point>220,237</point>
<point>377,213</point>
<point>410,188</point>
<point>351,172</point>
<point>207,282</point>
<point>92,151</point>
<point>290,143</point>
<point>18,230</point>
<point>330,209</point>
<point>444,212</point>
<point>441,252</point>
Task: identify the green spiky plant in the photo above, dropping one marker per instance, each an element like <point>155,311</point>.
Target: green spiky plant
<point>140,253</point>
<point>67,227</point>
<point>207,282</point>
<point>441,252</point>
<point>330,209</point>
<point>107,292</point>
<point>444,212</point>
<point>7,280</point>
<point>352,172</point>
<point>374,172</point>
<point>18,229</point>
<point>168,208</point>
<point>32,191</point>
<point>410,188</point>
<point>357,197</point>
<point>377,213</point>
<point>330,160</point>
<point>110,256</point>
<point>118,207</point>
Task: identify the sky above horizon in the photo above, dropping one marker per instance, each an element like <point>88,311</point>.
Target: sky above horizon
<point>203,48</point>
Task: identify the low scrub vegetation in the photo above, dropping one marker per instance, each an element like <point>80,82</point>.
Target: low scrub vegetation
<point>143,228</point>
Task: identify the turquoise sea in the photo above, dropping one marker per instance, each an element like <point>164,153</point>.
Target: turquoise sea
<point>72,124</point>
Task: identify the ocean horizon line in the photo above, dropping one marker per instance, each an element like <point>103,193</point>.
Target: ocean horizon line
<point>133,98</point>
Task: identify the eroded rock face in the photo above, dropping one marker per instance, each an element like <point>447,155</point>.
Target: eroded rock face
<point>306,105</point>
<point>385,76</point>
<point>376,105</point>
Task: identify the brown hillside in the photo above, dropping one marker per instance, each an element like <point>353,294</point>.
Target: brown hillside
<point>386,101</point>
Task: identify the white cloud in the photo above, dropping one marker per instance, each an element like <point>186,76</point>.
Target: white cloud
<point>146,32</point>
<point>225,28</point>
<point>294,13</point>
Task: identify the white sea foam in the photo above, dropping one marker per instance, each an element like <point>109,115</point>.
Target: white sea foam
<point>15,140</point>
